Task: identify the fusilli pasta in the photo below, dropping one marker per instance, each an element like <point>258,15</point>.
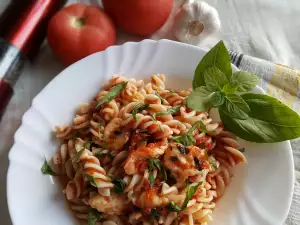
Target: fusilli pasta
<point>141,158</point>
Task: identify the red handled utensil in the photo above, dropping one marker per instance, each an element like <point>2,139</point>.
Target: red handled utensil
<point>23,26</point>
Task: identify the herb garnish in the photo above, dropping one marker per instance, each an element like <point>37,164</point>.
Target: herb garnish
<point>77,156</point>
<point>161,99</point>
<point>252,117</point>
<point>152,163</point>
<point>187,139</point>
<point>87,145</point>
<point>138,108</point>
<point>154,214</point>
<point>102,154</point>
<point>94,216</point>
<point>169,111</point>
<point>113,93</point>
<point>92,180</point>
<point>119,186</point>
<point>46,169</point>
<point>173,207</point>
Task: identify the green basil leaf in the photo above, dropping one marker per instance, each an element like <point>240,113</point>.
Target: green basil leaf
<point>203,100</point>
<point>151,180</point>
<point>154,214</point>
<point>114,92</point>
<point>119,186</point>
<point>202,126</point>
<point>92,180</point>
<point>269,121</point>
<point>161,99</point>
<point>199,99</point>
<point>214,79</point>
<point>94,216</point>
<point>77,156</point>
<point>88,144</point>
<point>173,207</point>
<point>151,165</point>
<point>187,139</point>
<point>138,108</point>
<point>236,107</point>
<point>218,56</point>
<point>46,169</point>
<point>245,81</point>
<point>161,169</point>
<point>187,182</point>
<point>169,111</point>
<point>189,195</point>
<point>195,126</point>
<point>229,88</point>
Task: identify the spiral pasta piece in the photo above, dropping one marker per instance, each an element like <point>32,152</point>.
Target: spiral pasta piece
<point>92,168</point>
<point>172,98</point>
<point>158,82</point>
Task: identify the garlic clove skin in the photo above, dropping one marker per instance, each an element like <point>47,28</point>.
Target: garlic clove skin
<point>195,21</point>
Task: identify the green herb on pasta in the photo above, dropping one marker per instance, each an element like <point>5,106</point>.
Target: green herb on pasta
<point>138,108</point>
<point>169,111</point>
<point>119,186</point>
<point>94,216</point>
<point>113,93</point>
<point>46,169</point>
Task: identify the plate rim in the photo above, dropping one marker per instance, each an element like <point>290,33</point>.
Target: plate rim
<point>60,74</point>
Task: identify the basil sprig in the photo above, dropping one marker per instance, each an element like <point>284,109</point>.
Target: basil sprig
<point>94,216</point>
<point>187,139</point>
<point>252,117</point>
<point>169,111</point>
<point>138,108</point>
<point>113,93</point>
<point>173,207</point>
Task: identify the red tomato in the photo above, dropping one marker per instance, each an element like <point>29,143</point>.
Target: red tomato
<point>79,30</point>
<point>142,17</point>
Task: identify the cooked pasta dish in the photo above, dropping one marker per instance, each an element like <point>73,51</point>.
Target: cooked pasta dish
<point>136,154</point>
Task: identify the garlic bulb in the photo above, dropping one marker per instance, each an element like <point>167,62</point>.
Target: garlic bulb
<point>195,21</point>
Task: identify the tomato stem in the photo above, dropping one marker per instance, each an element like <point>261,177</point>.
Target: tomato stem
<point>79,22</point>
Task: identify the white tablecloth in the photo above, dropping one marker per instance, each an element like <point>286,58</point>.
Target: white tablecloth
<point>267,29</point>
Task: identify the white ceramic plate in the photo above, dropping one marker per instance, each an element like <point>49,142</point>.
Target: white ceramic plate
<point>260,192</point>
